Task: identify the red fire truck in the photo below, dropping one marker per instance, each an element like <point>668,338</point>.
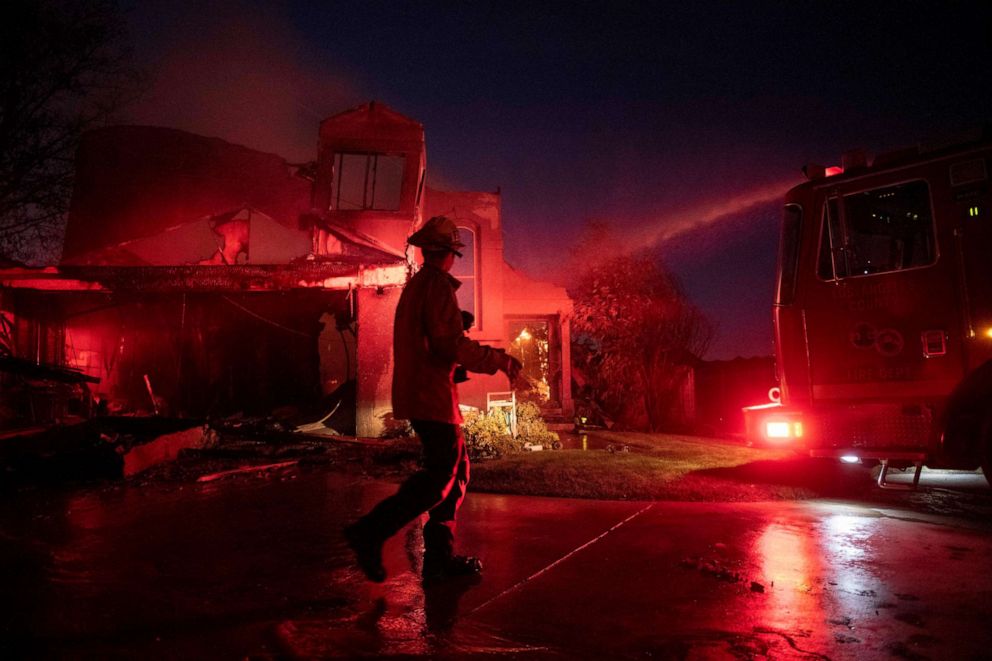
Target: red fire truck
<point>883,312</point>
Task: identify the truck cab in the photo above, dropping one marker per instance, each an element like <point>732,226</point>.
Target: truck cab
<point>883,311</point>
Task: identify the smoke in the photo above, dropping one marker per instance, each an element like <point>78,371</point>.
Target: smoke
<point>657,231</point>
<point>234,70</point>
<point>688,235</point>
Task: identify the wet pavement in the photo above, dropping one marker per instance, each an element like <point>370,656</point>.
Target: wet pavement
<point>255,567</point>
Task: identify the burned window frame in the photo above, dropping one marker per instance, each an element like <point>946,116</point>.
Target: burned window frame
<point>553,353</point>
<point>371,179</point>
<point>470,282</point>
<point>827,270</point>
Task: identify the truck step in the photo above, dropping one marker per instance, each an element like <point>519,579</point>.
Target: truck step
<point>883,484</point>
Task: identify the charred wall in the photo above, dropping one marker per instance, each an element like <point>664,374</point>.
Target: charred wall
<point>205,353</point>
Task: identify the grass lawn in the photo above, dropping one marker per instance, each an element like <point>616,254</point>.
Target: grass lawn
<point>667,467</point>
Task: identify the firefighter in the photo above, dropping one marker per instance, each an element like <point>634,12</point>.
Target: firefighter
<point>428,343</point>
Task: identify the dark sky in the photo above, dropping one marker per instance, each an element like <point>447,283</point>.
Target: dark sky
<point>682,123</point>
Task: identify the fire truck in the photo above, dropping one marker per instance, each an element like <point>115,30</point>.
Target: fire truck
<point>883,312</point>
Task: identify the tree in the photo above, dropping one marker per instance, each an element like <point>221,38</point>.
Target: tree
<point>635,334</point>
<point>64,68</point>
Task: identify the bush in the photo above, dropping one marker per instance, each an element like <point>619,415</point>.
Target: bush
<point>531,427</point>
<point>487,434</point>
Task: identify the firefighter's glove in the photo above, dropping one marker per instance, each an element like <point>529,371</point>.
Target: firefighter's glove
<point>512,367</point>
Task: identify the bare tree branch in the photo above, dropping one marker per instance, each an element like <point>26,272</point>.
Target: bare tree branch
<point>64,68</point>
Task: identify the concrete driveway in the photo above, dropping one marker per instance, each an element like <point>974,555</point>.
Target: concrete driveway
<point>256,568</point>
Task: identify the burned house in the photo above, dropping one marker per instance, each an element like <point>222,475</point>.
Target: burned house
<point>201,278</point>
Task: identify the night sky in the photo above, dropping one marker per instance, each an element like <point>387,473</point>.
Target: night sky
<point>682,124</point>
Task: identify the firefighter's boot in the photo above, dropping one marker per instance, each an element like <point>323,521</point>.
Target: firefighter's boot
<point>368,552</point>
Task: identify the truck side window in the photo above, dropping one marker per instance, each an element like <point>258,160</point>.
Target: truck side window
<point>788,258</point>
<point>831,263</point>
<point>878,231</point>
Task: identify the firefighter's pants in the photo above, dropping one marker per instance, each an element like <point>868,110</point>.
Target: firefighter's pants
<point>439,489</point>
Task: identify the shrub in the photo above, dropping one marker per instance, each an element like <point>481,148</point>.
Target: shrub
<point>487,434</point>
<point>531,427</point>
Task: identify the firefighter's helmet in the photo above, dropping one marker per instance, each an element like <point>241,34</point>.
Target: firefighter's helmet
<point>438,233</point>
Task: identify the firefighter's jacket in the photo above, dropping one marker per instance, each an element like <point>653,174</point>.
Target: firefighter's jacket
<point>428,342</point>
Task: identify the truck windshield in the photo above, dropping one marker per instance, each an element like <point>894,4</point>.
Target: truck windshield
<point>877,231</point>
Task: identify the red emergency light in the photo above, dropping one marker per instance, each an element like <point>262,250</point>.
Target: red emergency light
<point>813,171</point>
<point>783,430</point>
<point>774,424</point>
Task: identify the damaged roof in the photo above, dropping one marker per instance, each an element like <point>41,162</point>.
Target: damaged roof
<point>135,182</point>
<point>372,121</point>
<point>341,272</point>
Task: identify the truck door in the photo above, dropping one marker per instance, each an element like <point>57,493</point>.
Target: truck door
<point>882,316</point>
<point>973,236</point>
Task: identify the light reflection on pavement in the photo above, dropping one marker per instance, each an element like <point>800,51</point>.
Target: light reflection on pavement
<point>257,567</point>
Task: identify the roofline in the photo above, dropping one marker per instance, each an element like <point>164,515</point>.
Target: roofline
<point>368,107</point>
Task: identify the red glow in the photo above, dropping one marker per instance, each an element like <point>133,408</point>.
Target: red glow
<point>833,171</point>
<point>791,564</point>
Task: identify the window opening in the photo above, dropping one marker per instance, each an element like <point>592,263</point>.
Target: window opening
<point>465,269</point>
<point>367,181</point>
<point>533,343</point>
